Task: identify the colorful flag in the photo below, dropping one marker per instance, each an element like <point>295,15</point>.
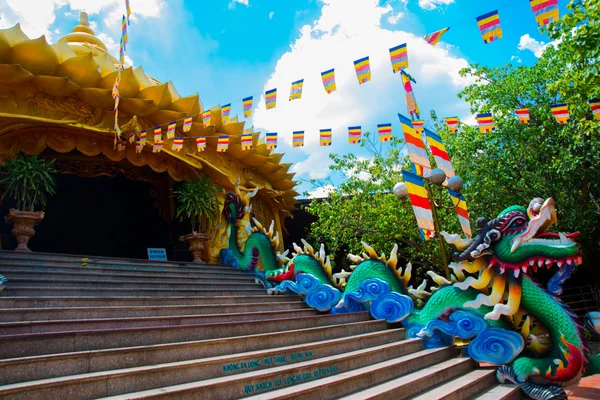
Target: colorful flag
<point>298,139</point>
<point>439,153</point>
<point>545,11</point>
<point>595,106</point>
<point>419,169</point>
<point>124,36</point>
<point>206,118</point>
<point>414,143</point>
<point>434,38</point>
<point>460,205</point>
<point>171,130</point>
<point>115,92</point>
<point>385,132</point>
<point>418,125</point>
<point>419,200</point>
<point>158,134</point>
<point>561,113</point>
<point>157,147</point>
<point>271,140</point>
<point>121,145</point>
<point>187,124</point>
<point>139,147</point>
<point>328,78</point>
<point>399,57</point>
<point>246,141</point>
<point>247,103</point>
<point>222,143</point>
<point>121,54</point>
<point>426,235</point>
<point>128,11</point>
<point>523,115</point>
<point>452,123</point>
<point>177,144</point>
<point>271,98</point>
<point>411,101</point>
<point>325,137</point>
<point>201,144</point>
<point>486,122</point>
<point>363,70</point>
<point>296,90</point>
<point>142,140</point>
<point>489,26</point>
<point>354,134</point>
<point>131,138</point>
<point>225,110</point>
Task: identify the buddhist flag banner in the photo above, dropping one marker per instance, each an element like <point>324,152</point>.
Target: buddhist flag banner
<point>460,205</point>
<point>354,134</point>
<point>157,147</point>
<point>177,144</point>
<point>595,106</point>
<point>486,122</point>
<point>271,98</point>
<point>411,101</point>
<point>158,134</point>
<point>121,53</point>
<point>434,38</point>
<point>139,147</point>
<point>545,11</point>
<point>222,143</point>
<point>128,8</point>
<point>131,137</point>
<point>439,153</point>
<point>328,78</point>
<point>298,139</point>
<point>418,125</point>
<point>247,103</point>
<point>142,140</point>
<point>419,200</point>
<point>385,132</point>
<point>187,124</point>
<point>419,169</point>
<point>296,90</point>
<point>452,123</point>
<point>426,235</point>
<point>523,115</point>
<point>124,36</point>
<point>246,141</point>
<point>399,57</point>
<point>201,144</point>
<point>271,140</point>
<point>561,113</point>
<point>363,70</point>
<point>225,111</point>
<point>489,26</point>
<point>206,118</point>
<point>414,143</point>
<point>325,137</point>
<point>121,145</point>
<point>171,130</point>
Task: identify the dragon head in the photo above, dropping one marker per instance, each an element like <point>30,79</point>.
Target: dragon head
<point>237,205</point>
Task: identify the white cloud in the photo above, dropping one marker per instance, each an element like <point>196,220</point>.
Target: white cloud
<point>536,47</point>
<point>433,4</point>
<point>321,192</point>
<point>516,59</point>
<point>113,47</point>
<point>316,166</point>
<point>234,2</point>
<point>394,18</point>
<point>271,14</point>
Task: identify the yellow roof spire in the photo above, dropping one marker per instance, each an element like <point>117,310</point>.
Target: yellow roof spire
<point>83,34</point>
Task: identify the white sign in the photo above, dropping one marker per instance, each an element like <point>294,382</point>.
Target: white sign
<point>157,254</point>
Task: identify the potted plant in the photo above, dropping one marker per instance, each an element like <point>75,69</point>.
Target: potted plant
<point>197,201</point>
<point>27,180</point>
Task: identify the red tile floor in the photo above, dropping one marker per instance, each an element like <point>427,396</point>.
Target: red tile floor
<point>588,389</point>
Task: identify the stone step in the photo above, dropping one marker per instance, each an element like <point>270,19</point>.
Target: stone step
<point>23,345</point>
<point>415,383</point>
<point>88,301</point>
<point>109,291</point>
<point>237,386</point>
<point>48,366</point>
<point>48,314</point>
<point>334,386</point>
<point>463,387</point>
<point>501,392</point>
<point>16,328</point>
<point>108,383</point>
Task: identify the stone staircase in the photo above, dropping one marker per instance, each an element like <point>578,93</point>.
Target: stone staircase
<point>75,328</point>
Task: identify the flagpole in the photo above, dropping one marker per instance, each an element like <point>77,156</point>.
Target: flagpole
<point>437,226</point>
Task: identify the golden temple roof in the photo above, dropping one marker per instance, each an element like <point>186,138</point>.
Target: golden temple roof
<point>69,84</point>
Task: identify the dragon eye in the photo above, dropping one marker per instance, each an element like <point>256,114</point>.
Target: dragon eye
<point>517,223</point>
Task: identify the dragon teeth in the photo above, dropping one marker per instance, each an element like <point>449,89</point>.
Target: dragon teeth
<point>516,272</point>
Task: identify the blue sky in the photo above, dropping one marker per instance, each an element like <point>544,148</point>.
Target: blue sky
<point>229,49</point>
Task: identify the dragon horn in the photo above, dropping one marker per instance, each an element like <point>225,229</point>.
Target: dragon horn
<point>297,249</point>
<point>271,227</point>
<point>407,274</point>
<point>355,259</point>
<point>440,280</point>
<point>393,261</point>
<point>308,247</point>
<point>322,252</point>
<point>258,224</point>
<point>249,195</point>
<point>369,249</point>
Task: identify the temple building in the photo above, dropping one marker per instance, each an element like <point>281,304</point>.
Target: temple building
<point>56,101</point>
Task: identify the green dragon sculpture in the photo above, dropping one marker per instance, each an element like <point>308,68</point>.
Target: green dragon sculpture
<point>491,297</point>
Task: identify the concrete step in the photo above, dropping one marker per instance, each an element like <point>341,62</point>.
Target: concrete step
<point>23,345</point>
<point>239,385</point>
<point>417,382</point>
<point>126,301</point>
<point>109,291</point>
<point>463,387</point>
<point>54,365</point>
<point>501,392</point>
<point>334,386</point>
<point>50,314</point>
<point>121,381</point>
<point>16,328</point>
